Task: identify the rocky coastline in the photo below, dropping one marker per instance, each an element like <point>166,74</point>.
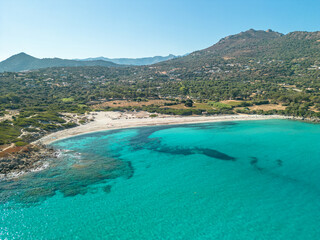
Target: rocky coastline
<point>18,160</point>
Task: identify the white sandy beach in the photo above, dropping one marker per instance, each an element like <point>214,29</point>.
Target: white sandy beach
<point>102,121</point>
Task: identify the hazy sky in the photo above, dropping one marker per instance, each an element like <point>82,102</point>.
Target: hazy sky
<point>139,28</point>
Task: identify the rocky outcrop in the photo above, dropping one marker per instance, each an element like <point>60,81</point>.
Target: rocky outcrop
<point>24,159</point>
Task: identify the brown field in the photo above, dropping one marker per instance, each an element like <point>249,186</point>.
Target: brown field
<point>126,103</point>
<point>4,146</point>
<point>178,106</point>
<point>267,107</point>
<point>204,106</point>
<point>14,150</point>
<point>230,101</point>
<point>264,107</point>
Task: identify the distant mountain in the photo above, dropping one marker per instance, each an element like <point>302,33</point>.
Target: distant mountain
<point>23,61</point>
<point>134,61</point>
<point>254,45</point>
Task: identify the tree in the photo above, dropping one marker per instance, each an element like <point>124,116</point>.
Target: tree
<point>189,103</point>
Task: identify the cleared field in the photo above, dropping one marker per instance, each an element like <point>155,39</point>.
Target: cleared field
<point>126,103</point>
<point>235,104</point>
<point>267,107</point>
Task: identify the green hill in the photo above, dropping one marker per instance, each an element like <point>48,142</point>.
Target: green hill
<point>255,45</point>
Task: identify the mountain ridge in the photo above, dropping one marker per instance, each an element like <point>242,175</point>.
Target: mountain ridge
<point>134,61</point>
<point>254,44</point>
<point>244,46</point>
<point>24,62</point>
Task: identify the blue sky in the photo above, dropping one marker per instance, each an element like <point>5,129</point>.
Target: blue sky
<point>139,28</point>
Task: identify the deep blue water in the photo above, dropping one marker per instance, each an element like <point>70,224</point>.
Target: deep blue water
<point>228,180</point>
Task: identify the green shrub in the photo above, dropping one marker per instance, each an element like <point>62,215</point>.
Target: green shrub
<point>261,102</point>
<point>31,129</point>
<point>20,144</point>
<point>69,125</point>
<point>67,100</point>
<point>8,133</point>
<point>219,105</point>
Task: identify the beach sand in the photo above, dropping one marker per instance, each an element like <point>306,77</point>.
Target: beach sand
<point>102,121</point>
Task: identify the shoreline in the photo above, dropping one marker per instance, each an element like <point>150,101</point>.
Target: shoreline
<point>104,121</point>
<point>31,158</point>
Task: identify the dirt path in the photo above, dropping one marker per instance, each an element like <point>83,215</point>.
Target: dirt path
<point>11,146</point>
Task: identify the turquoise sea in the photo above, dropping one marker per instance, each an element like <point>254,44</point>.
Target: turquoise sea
<point>227,180</point>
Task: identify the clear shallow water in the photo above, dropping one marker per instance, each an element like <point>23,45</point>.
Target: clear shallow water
<point>231,180</point>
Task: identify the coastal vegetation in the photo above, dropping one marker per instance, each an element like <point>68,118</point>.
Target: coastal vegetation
<point>268,73</point>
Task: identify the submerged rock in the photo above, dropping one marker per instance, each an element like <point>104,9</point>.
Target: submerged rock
<point>107,188</point>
